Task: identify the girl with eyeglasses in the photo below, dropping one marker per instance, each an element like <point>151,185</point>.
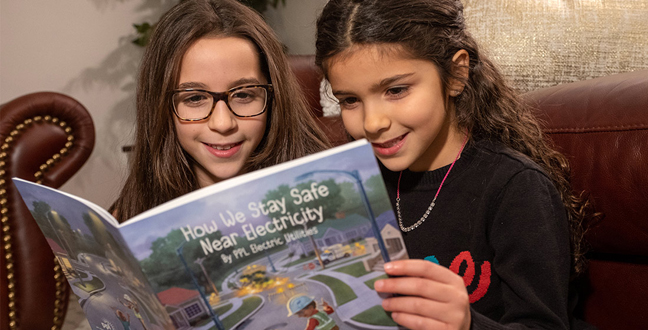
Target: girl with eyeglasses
<point>216,98</point>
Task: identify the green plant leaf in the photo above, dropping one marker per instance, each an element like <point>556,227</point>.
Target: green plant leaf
<point>144,30</point>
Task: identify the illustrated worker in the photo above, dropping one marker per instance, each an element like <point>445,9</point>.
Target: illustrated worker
<point>305,306</point>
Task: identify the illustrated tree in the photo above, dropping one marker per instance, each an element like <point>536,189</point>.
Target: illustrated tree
<point>39,212</point>
<point>330,204</point>
<point>376,193</point>
<point>350,195</point>
<point>102,235</point>
<point>54,226</point>
<point>165,267</point>
<point>69,237</point>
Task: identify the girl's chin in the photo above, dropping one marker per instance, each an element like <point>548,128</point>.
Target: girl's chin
<point>393,164</point>
<point>207,178</point>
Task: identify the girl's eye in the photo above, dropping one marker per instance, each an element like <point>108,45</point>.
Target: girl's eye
<point>397,91</point>
<point>349,103</point>
<point>194,99</point>
<point>242,96</point>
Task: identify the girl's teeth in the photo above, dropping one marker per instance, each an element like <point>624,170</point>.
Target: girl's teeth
<point>223,147</point>
<point>390,143</point>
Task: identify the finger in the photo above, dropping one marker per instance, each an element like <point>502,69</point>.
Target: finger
<point>417,322</point>
<point>420,268</point>
<point>414,286</point>
<point>448,313</point>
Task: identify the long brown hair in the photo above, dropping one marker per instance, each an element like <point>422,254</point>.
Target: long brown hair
<point>160,170</point>
<point>434,30</point>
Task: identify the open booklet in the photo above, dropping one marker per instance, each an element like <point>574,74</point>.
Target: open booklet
<point>294,244</point>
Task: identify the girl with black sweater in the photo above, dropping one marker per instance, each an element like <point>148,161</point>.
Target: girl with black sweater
<point>477,189</point>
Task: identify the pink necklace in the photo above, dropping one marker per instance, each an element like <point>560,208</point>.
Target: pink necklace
<point>429,209</point>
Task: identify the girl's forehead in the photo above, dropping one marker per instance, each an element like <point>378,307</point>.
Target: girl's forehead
<point>219,63</point>
<point>374,51</point>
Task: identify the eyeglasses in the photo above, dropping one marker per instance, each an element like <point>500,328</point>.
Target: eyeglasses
<point>198,104</point>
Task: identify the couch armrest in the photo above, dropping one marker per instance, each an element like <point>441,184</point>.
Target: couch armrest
<point>45,137</point>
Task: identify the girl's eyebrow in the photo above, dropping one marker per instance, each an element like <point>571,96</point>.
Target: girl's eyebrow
<point>245,81</point>
<point>380,85</point>
<point>236,83</point>
<point>191,84</point>
<point>389,81</point>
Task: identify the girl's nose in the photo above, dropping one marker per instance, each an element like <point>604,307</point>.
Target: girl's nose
<point>376,119</point>
<point>222,120</point>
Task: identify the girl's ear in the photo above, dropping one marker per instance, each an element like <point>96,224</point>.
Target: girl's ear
<point>460,68</point>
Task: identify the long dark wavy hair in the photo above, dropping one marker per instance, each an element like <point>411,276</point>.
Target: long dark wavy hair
<point>434,30</point>
<point>160,169</point>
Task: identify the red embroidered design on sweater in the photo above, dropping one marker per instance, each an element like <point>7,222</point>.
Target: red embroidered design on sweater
<point>469,274</point>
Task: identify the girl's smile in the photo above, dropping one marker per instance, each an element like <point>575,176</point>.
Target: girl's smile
<point>223,150</point>
<point>390,147</point>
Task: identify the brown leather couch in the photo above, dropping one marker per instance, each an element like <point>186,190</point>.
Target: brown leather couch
<point>602,126</point>
<point>45,137</point>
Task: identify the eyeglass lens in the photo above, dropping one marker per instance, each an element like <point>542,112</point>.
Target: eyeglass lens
<point>195,105</point>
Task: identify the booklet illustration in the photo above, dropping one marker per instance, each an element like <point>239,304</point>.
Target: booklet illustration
<point>289,246</point>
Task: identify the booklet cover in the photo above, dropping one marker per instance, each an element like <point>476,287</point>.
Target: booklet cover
<point>294,245</point>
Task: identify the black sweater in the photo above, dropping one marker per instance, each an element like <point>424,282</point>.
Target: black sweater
<point>500,223</point>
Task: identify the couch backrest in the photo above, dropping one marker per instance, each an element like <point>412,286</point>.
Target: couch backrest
<point>602,126</point>
<point>45,137</point>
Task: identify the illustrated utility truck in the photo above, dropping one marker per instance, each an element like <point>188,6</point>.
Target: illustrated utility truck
<point>336,251</point>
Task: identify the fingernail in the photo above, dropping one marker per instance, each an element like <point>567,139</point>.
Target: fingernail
<point>389,266</point>
<point>378,284</point>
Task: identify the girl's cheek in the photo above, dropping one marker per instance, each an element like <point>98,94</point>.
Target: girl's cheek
<point>352,120</point>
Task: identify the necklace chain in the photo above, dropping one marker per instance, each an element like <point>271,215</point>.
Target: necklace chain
<point>429,209</point>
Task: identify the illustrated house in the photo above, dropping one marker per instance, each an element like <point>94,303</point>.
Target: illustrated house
<point>334,231</point>
<point>393,243</point>
<point>352,228</point>
<point>183,306</point>
<point>62,257</point>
